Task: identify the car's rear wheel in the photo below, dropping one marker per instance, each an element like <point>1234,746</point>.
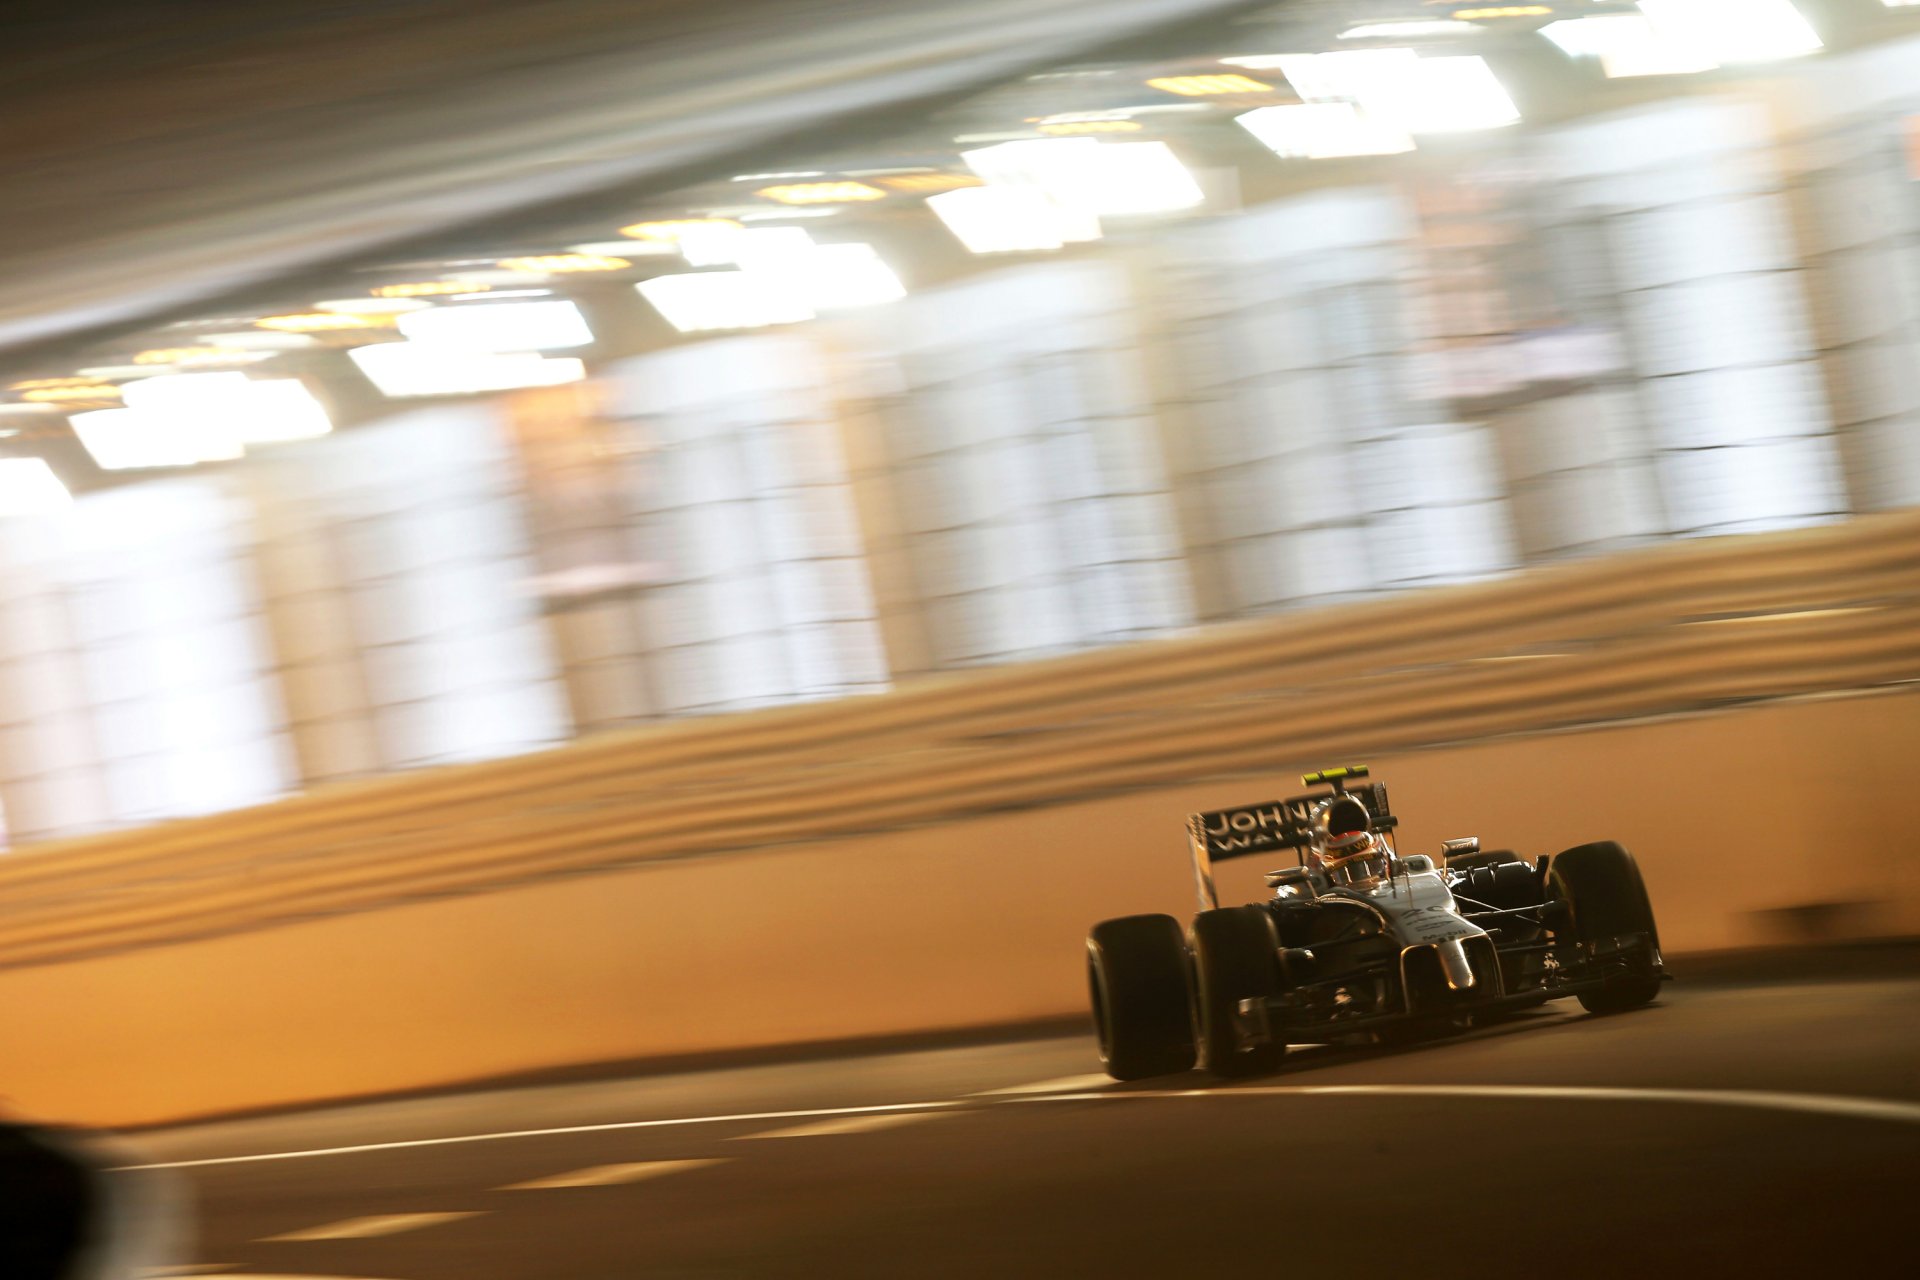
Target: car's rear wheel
<point>1138,980</point>
<point>1235,958</point>
<point>1600,897</point>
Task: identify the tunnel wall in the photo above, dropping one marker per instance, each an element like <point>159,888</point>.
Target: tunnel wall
<point>424,930</point>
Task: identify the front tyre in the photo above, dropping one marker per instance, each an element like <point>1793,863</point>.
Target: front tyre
<point>1602,898</point>
<point>1138,980</point>
<point>1235,958</point>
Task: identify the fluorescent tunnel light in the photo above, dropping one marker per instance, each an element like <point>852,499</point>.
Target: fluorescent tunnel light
<point>698,302</point>
<point>402,369</point>
<point>1324,130</point>
<point>1734,30</point>
<point>506,327</point>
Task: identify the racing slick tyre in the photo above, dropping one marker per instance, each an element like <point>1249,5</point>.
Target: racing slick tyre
<point>1138,978</point>
<point>1235,958</point>
<point>1602,896</point>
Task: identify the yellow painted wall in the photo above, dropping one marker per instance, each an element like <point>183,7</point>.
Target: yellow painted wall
<point>971,923</point>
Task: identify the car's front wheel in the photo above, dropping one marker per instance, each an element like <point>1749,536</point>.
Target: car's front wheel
<point>1235,957</point>
<point>1137,978</point>
<point>1601,900</point>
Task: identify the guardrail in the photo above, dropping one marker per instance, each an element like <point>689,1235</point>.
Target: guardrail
<point>1672,628</point>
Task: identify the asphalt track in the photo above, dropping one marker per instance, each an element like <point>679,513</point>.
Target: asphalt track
<point>1727,1130</point>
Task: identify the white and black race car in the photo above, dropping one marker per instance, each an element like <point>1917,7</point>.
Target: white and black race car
<point>1360,941</point>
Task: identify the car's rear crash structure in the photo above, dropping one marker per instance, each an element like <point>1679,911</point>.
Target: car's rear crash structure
<point>1359,941</point>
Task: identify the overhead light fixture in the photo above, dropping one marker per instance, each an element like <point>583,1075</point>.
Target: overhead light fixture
<point>129,440</point>
<point>116,372</point>
<point>711,246</point>
<point>822,193</point>
<point>625,248</point>
<point>325,322</point>
<point>555,264</point>
<point>1352,75</point>
<point>34,384</point>
<point>1415,29</point>
<point>1733,31</point>
<point>199,357</point>
<point>420,289</point>
<point>1208,86</point>
<point>1398,87</point>
<point>408,369</point>
<point>495,295</point>
<point>260,340</point>
<point>1324,130</point>
<point>232,405</point>
<point>502,327</point>
<point>1075,128</point>
<point>776,177</point>
<point>1096,179</point>
<point>704,301</point>
<point>1456,95</point>
<point>28,487</point>
<point>1000,219</point>
<point>1495,12</point>
<point>791,213</point>
<point>838,277</point>
<point>1627,45</point>
<point>371,306</point>
<point>927,183</point>
<point>669,230</point>
<point>75,393</point>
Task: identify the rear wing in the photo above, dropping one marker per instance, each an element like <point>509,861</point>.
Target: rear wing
<point>1275,825</point>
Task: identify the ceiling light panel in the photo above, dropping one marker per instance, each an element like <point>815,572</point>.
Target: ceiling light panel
<point>408,369</point>
<point>1096,179</point>
<point>231,405</point>
<point>1411,30</point>
<point>129,440</point>
<point>669,230</point>
<point>1209,85</point>
<point>371,306</point>
<point>501,327</point>
<point>1324,130</point>
<point>994,219</point>
<point>419,289</point>
<point>1734,30</point>
<point>324,322</point>
<point>1627,45</point>
<point>822,193</point>
<point>563,263</point>
<point>715,300</point>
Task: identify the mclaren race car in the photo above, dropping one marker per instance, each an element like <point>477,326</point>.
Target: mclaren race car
<point>1361,941</point>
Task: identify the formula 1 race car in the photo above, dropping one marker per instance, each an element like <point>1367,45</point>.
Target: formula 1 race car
<point>1360,941</point>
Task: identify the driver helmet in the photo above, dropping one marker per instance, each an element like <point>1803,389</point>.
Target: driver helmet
<point>1343,837</point>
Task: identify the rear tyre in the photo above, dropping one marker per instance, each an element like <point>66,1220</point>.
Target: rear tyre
<point>1235,958</point>
<point>1138,979</point>
<point>1602,897</point>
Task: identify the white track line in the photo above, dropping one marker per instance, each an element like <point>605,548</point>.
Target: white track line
<point>608,1175</point>
<point>847,1124</point>
<point>1065,1084</point>
<point>385,1224</point>
<point>1805,1103</point>
<point>503,1135</point>
<point>1820,1104</point>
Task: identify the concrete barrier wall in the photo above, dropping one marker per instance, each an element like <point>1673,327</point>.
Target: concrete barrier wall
<point>1735,814</point>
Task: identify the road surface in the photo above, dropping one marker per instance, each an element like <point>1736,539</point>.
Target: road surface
<point>1729,1130</point>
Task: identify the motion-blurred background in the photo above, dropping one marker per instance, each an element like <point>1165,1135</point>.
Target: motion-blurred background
<point>544,534</point>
